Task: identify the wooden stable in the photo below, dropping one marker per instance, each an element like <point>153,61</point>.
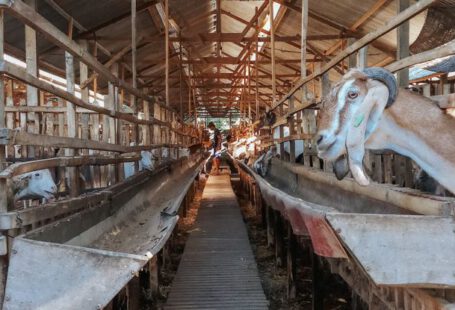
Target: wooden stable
<point>86,86</point>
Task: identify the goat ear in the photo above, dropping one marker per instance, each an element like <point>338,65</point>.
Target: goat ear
<point>362,124</point>
<point>341,167</point>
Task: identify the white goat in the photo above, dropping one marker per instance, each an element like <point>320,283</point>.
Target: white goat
<point>34,185</point>
<point>262,164</point>
<point>365,110</point>
<point>148,162</point>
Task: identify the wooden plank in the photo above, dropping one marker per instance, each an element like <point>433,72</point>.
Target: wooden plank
<point>27,15</point>
<point>13,137</point>
<point>75,161</point>
<point>21,75</point>
<point>29,216</point>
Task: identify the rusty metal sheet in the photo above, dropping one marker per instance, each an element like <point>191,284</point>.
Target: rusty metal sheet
<point>305,218</point>
<point>405,250</point>
<point>65,277</point>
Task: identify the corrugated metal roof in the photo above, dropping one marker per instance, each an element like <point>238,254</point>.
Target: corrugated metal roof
<point>196,18</point>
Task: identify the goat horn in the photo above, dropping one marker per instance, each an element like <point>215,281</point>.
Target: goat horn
<point>386,77</point>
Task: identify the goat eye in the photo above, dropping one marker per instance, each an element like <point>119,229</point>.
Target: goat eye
<point>352,95</point>
<point>36,174</point>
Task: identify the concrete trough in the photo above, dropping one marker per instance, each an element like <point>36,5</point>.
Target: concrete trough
<point>83,261</point>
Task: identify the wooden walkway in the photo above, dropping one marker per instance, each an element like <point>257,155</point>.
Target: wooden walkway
<point>218,269</point>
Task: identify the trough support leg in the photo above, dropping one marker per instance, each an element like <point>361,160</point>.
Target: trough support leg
<point>154,278</point>
<point>317,281</point>
<point>279,239</point>
<point>134,294</point>
<point>269,219</point>
<point>258,202</point>
<point>291,268</point>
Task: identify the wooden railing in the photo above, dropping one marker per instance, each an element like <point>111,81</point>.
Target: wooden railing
<point>91,135</point>
<point>301,118</point>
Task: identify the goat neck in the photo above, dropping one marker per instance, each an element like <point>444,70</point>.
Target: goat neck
<point>416,127</point>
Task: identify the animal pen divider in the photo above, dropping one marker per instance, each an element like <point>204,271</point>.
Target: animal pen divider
<point>98,141</point>
<point>315,226</point>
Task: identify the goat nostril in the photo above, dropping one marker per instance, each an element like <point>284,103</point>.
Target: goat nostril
<point>320,138</point>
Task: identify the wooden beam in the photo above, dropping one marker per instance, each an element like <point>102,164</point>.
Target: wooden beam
<point>133,43</point>
<point>116,57</point>
<point>373,10</point>
<point>5,193</point>
<point>403,44</point>
<point>21,75</point>
<point>76,24</point>
<point>116,19</point>
<point>236,61</point>
<point>166,46</point>
<point>272,49</point>
<point>391,24</point>
<point>255,17</point>
<point>304,32</point>
<point>53,34</point>
<point>238,38</point>
<point>13,137</point>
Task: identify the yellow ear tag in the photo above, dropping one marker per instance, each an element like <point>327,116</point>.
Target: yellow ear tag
<point>358,120</point>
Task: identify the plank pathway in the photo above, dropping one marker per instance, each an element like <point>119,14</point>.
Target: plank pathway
<point>218,269</point>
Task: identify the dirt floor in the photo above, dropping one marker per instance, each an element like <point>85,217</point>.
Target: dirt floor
<point>274,278</point>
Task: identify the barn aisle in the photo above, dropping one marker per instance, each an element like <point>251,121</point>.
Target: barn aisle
<point>218,269</point>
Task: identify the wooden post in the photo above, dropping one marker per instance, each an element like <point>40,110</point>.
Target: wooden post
<point>403,44</point>
<point>72,172</point>
<point>133,43</point>
<point>134,68</point>
<point>153,269</point>
<point>4,193</point>
<point>272,48</point>
<point>269,220</point>
<point>291,266</point>
<point>363,57</point>
<point>83,75</point>
<point>317,281</point>
<point>166,47</point>
<point>291,132</point>
<point>71,124</point>
<point>352,62</point>
<point>31,60</point>
<point>113,123</point>
<point>180,81</point>
<point>279,239</point>
<point>257,69</point>
<point>2,101</point>
<point>249,87</point>
<point>304,31</point>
